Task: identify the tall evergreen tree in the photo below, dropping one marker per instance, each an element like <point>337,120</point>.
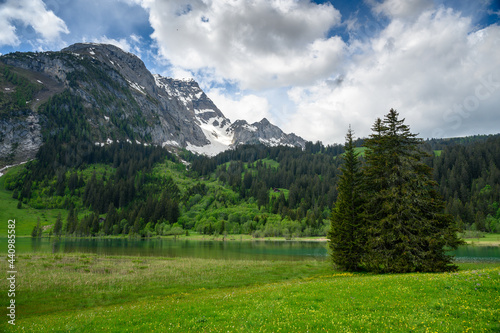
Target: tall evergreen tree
<point>346,235</point>
<point>94,226</point>
<point>71,221</point>
<point>111,219</point>
<point>407,228</point>
<point>58,225</point>
<point>37,229</point>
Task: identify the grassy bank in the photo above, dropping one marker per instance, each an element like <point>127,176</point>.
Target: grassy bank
<point>86,293</point>
<point>484,239</point>
<point>26,217</point>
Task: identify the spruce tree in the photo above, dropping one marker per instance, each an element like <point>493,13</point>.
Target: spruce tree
<point>37,230</point>
<point>58,225</point>
<point>407,228</point>
<point>111,219</point>
<point>346,235</point>
<point>71,221</point>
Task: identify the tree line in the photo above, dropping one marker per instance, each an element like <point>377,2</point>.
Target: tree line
<point>469,180</point>
<point>466,169</point>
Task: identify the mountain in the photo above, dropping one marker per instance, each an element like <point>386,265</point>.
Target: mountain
<point>114,98</point>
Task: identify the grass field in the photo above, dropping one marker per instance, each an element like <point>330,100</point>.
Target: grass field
<point>484,240</point>
<point>87,293</point>
<point>26,217</point>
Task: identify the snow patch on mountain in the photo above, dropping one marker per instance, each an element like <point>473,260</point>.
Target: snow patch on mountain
<point>250,128</point>
<point>170,143</point>
<point>137,87</point>
<point>217,130</point>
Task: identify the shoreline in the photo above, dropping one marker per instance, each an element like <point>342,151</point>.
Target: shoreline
<point>229,238</point>
<point>481,243</point>
<point>249,238</point>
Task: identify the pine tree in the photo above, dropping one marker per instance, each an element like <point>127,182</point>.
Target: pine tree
<point>407,229</point>
<point>111,219</point>
<point>58,225</point>
<point>262,195</point>
<point>346,235</point>
<point>71,221</point>
<point>37,230</point>
<point>94,226</point>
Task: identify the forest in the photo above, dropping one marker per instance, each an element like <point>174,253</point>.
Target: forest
<point>127,188</point>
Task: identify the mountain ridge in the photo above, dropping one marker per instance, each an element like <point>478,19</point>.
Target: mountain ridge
<point>121,101</point>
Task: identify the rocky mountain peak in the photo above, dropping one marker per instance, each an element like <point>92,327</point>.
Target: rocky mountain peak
<point>131,67</point>
<point>121,100</point>
<point>264,122</point>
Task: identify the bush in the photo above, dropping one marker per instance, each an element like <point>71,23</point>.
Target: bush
<point>492,224</point>
<point>257,234</point>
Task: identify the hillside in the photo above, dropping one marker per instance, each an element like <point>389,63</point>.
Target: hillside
<point>133,189</point>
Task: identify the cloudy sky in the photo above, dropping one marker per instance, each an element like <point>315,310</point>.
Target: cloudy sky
<point>310,67</point>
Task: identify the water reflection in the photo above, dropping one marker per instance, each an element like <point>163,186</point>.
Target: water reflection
<point>231,250</point>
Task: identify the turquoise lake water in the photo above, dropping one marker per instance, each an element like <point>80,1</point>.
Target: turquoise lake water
<point>231,250</point>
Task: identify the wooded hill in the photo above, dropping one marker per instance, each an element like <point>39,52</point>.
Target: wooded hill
<point>127,188</point>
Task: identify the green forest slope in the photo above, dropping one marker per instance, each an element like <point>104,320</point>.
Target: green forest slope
<point>256,190</point>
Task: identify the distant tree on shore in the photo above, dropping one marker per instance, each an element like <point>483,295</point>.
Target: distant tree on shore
<point>37,230</point>
<point>58,225</point>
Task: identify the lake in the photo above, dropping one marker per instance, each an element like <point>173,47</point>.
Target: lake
<point>233,250</point>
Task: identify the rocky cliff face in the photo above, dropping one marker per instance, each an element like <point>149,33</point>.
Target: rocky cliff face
<point>263,132</point>
<point>121,100</point>
<point>20,138</point>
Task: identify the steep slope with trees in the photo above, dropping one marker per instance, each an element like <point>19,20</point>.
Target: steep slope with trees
<point>469,180</point>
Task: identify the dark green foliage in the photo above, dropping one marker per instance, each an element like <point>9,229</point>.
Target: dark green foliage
<point>407,229</point>
<point>71,221</point>
<point>469,180</point>
<point>93,223</point>
<point>37,230</point>
<point>121,194</point>
<point>256,171</point>
<point>347,230</point>
<point>58,226</point>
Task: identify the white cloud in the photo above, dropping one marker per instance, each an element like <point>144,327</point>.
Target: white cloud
<point>122,43</point>
<point>32,13</point>
<point>403,9</point>
<point>133,43</point>
<point>259,44</point>
<point>250,107</point>
<point>179,73</point>
<point>441,74</point>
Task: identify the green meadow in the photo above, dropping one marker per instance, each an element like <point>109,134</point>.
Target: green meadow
<point>26,217</point>
<point>89,293</point>
<point>482,239</point>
